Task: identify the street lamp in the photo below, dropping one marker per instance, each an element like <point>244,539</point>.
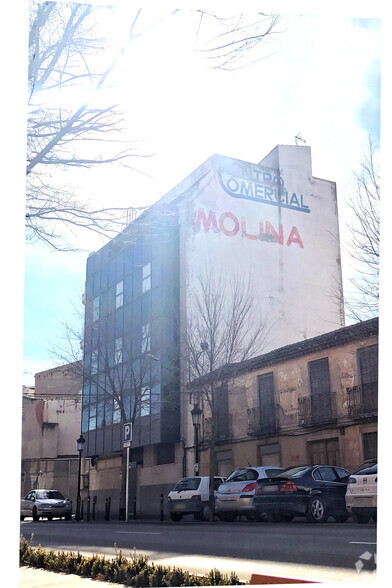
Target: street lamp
<point>79,443</point>
<point>196,414</point>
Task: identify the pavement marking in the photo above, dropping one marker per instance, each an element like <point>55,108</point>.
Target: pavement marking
<point>364,542</point>
<point>138,533</point>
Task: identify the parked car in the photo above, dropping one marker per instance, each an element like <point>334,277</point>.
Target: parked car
<point>235,495</point>
<point>361,494</point>
<point>45,504</point>
<point>313,491</point>
<point>191,496</point>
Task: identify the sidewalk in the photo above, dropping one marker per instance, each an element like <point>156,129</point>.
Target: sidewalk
<point>36,578</point>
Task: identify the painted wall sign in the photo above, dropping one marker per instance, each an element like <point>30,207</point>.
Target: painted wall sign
<point>228,224</point>
<point>260,184</point>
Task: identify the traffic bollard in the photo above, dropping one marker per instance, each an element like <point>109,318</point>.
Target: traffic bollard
<point>161,507</point>
<point>81,509</point>
<point>94,503</point>
<point>134,508</point>
<point>88,508</point>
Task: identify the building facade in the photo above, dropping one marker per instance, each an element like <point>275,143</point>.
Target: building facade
<point>51,414</point>
<point>311,402</point>
<point>273,222</point>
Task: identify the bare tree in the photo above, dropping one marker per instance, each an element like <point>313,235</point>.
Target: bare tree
<point>65,53</point>
<point>364,227</point>
<point>120,375</point>
<point>241,36</point>
<point>224,328</point>
<point>63,50</point>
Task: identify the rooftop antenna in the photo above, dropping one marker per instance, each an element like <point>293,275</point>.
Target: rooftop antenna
<point>299,138</point>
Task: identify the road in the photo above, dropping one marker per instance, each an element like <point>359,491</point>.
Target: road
<point>300,549</point>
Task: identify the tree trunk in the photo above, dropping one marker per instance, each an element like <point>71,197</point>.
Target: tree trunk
<point>212,470</point>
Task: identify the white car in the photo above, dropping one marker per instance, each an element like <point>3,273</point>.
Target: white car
<point>235,496</point>
<point>191,496</point>
<point>45,504</point>
<point>361,493</point>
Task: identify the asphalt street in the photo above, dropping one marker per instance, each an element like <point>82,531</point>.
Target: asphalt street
<point>300,549</point>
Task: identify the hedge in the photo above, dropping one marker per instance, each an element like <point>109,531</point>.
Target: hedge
<point>133,571</point>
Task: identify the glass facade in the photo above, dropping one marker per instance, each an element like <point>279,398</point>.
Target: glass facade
<point>131,346</point>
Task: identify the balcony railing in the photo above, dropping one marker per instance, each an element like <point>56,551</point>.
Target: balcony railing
<point>362,402</point>
<point>316,409</point>
<point>263,420</point>
<point>224,428</point>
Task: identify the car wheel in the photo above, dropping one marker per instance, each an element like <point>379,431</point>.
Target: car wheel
<point>374,517</point>
<point>50,518</point>
<point>35,514</point>
<point>68,516</point>
<point>205,513</point>
<point>360,517</point>
<point>316,511</point>
<point>341,518</point>
<point>175,516</point>
<point>228,517</point>
<point>251,516</point>
<point>22,517</point>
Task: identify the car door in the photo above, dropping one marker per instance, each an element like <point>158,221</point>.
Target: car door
<point>27,504</point>
<point>333,488</point>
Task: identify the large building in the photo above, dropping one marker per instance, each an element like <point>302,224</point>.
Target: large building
<point>273,223</point>
<point>315,401</point>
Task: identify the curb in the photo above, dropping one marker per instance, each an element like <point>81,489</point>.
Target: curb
<point>267,579</point>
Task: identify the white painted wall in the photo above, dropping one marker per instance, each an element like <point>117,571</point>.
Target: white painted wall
<point>295,279</point>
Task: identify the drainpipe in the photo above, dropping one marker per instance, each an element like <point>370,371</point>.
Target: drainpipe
<point>184,460</point>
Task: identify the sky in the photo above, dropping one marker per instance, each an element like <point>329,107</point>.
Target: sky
<point>319,76</point>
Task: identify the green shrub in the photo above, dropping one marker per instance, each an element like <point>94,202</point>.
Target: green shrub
<point>132,571</point>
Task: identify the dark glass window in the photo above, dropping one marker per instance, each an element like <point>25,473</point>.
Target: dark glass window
<point>165,453</point>
<point>265,384</point>
<point>85,410</point>
<point>320,392</point>
<point>319,376</point>
<point>368,374</point>
<point>104,277</point>
<point>369,445</point>
<point>111,273</point>
<point>119,266</point>
<point>127,289</point>
<point>222,412</point>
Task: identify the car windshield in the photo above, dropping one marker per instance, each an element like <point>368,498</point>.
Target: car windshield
<point>49,494</point>
<point>242,475</point>
<point>187,484</point>
<point>292,472</point>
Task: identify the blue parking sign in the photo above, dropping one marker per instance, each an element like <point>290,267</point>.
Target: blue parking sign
<point>127,434</point>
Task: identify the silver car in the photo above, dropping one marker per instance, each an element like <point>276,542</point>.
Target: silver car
<point>45,504</point>
<point>235,496</point>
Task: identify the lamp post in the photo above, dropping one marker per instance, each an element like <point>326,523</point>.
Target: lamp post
<point>80,443</point>
<point>196,414</point>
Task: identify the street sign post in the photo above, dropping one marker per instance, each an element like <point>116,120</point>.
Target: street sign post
<point>127,441</point>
